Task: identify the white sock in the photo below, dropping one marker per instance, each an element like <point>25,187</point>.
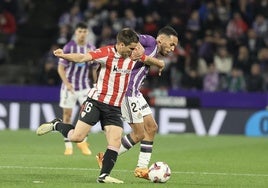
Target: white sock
<point>145,154</point>
<point>68,143</point>
<point>144,159</point>
<point>85,139</point>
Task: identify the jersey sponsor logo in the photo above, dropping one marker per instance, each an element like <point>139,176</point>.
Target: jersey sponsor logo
<point>124,71</point>
<point>144,106</point>
<point>80,64</point>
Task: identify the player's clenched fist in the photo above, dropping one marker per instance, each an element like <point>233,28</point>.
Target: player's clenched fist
<point>58,52</point>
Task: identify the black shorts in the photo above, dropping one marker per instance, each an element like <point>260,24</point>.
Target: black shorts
<point>93,111</point>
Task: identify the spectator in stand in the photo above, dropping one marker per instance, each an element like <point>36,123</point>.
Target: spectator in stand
<point>64,35</point>
<point>206,8</point>
<point>262,8</point>
<point>213,41</point>
<point>255,81</point>
<point>211,80</point>
<point>193,23</point>
<point>236,29</point>
<point>260,26</point>
<point>219,39</point>
<point>223,8</point>
<point>150,26</point>
<point>114,21</point>
<point>48,74</point>
<point>191,80</point>
<point>130,20</point>
<point>106,37</point>
<point>7,28</point>
<point>235,82</point>
<point>71,17</point>
<point>253,42</point>
<point>206,47</point>
<point>12,6</point>
<point>243,60</point>
<point>212,21</point>
<point>223,61</point>
<point>263,61</point>
<point>177,23</point>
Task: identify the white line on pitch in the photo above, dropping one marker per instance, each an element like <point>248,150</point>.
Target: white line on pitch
<point>173,172</point>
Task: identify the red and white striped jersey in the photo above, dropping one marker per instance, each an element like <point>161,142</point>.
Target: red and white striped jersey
<point>113,77</point>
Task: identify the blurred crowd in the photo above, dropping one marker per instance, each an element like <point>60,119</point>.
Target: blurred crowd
<point>12,14</point>
<point>223,44</point>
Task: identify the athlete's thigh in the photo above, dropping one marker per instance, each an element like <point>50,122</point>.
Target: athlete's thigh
<point>81,129</point>
<point>131,111</point>
<point>67,99</point>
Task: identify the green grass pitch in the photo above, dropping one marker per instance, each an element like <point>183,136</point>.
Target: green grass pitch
<point>28,160</point>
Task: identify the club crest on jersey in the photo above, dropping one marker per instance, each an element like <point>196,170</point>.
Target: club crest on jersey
<point>124,71</point>
<point>83,114</point>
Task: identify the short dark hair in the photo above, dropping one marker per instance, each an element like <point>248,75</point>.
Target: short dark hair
<point>127,36</point>
<point>167,30</point>
<point>82,25</point>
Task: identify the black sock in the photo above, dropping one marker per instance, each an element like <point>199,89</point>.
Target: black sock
<point>109,160</point>
<point>63,128</point>
<point>146,146</point>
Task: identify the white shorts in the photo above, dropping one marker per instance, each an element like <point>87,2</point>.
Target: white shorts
<point>134,109</point>
<point>69,99</point>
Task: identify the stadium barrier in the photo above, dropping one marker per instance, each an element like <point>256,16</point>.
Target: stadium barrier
<point>201,121</point>
<point>27,107</point>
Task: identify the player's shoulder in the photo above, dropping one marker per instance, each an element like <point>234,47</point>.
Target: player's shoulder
<point>91,46</point>
<point>147,41</point>
<point>105,49</point>
<point>69,44</point>
<point>146,37</point>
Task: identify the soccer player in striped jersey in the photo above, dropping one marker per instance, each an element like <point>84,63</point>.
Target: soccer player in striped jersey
<point>104,100</point>
<point>75,81</point>
<point>135,109</point>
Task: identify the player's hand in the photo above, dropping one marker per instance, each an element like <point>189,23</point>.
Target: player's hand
<point>58,52</point>
<point>137,52</point>
<point>161,67</point>
<point>69,87</point>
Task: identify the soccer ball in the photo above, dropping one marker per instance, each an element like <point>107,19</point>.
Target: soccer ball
<point>159,172</point>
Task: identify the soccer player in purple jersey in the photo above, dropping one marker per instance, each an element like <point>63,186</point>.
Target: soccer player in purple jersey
<point>75,81</point>
<point>135,109</point>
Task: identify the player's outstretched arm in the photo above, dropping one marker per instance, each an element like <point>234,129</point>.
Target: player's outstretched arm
<point>74,57</point>
<point>154,61</point>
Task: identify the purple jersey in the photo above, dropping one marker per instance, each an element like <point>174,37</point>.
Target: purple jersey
<point>77,73</point>
<point>140,70</point>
